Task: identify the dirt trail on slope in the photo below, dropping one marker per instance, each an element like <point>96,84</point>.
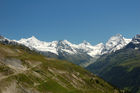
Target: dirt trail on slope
<point>18,72</point>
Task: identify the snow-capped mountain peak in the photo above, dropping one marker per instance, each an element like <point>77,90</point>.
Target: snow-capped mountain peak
<point>116,42</point>
<point>66,46</point>
<point>64,42</point>
<point>113,41</point>
<point>33,38</point>
<point>31,42</point>
<point>85,43</point>
<point>34,43</point>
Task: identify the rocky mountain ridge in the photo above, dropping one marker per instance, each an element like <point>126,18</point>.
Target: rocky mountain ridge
<point>82,54</point>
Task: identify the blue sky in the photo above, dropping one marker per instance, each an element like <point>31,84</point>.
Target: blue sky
<point>75,20</point>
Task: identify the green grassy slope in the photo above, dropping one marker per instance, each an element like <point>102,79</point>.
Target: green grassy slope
<point>24,71</point>
<point>121,69</point>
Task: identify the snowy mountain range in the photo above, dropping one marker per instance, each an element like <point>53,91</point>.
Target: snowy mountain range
<point>82,54</point>
<point>114,43</point>
<point>66,48</point>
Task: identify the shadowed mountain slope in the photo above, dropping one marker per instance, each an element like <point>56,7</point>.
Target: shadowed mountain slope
<point>121,68</point>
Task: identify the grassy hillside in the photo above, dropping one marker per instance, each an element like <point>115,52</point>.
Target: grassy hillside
<point>121,69</point>
<point>25,71</point>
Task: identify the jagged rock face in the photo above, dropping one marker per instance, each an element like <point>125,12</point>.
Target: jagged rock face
<point>5,40</point>
<point>2,39</point>
<point>135,43</point>
<point>136,39</point>
<point>66,47</point>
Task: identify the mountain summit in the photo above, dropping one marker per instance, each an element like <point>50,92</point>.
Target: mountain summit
<point>34,43</point>
<point>115,43</point>
<point>136,39</point>
<point>135,43</point>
